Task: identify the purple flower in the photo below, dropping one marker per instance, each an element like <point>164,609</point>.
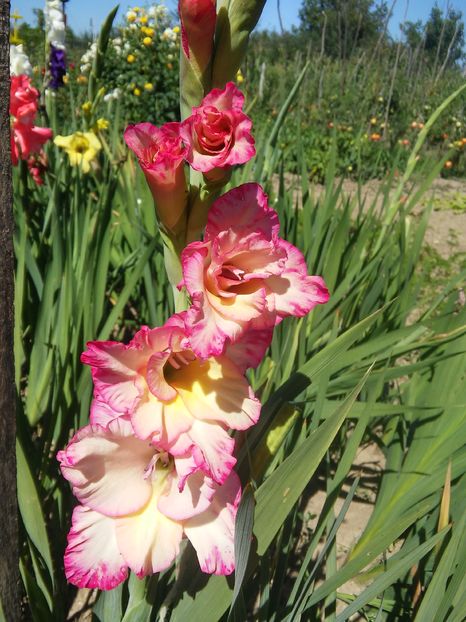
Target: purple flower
<point>57,67</point>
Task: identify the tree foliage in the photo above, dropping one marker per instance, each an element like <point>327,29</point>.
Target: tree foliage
<point>343,25</point>
<point>441,37</point>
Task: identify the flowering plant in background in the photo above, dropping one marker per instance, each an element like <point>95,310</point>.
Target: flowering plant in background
<point>19,61</point>
<point>142,63</point>
<point>81,147</point>
<point>27,139</point>
<point>156,462</point>
<point>55,29</point>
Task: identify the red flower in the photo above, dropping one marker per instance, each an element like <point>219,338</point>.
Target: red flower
<point>28,139</point>
<point>23,99</point>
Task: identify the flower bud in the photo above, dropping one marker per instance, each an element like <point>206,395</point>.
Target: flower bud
<point>198,19</point>
<point>160,153</point>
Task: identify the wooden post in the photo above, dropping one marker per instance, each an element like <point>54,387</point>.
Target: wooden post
<point>10,582</point>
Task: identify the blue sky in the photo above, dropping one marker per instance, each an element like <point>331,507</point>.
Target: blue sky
<point>83,13</point>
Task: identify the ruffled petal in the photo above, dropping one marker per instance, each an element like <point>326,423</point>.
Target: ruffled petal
<point>92,557</point>
<point>250,349</point>
<point>114,370</point>
<point>107,467</point>
<point>295,294</point>
<point>101,413</point>
<point>217,391</point>
<point>245,207</point>
<point>212,533</point>
<point>212,449</point>
<point>193,499</point>
<point>148,540</point>
<point>224,99</point>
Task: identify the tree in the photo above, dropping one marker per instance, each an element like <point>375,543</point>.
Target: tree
<point>10,601</point>
<point>348,24</point>
<point>442,36</point>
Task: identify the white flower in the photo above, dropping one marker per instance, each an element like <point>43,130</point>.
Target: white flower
<point>169,34</point>
<point>19,62</point>
<point>112,95</point>
<point>55,23</point>
<point>88,58</point>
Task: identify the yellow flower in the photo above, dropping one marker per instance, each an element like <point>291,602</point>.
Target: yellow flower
<point>66,78</point>
<point>81,148</point>
<point>136,9</point>
<point>102,124</point>
<point>147,41</point>
<point>131,16</point>
<point>176,29</point>
<point>137,92</point>
<point>143,19</point>
<point>147,30</point>
<point>131,58</point>
<point>86,107</point>
<point>81,79</point>
<point>374,121</point>
<point>239,76</point>
<point>148,86</point>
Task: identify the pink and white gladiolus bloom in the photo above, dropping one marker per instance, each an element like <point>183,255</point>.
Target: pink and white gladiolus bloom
<point>136,508</point>
<point>182,404</point>
<point>243,275</point>
<point>218,133</point>
<point>160,153</point>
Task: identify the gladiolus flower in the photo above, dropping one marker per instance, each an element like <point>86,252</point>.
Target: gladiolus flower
<point>82,148</point>
<point>243,275</point>
<point>57,65</point>
<point>218,133</point>
<point>19,62</point>
<point>137,507</point>
<point>160,153</point>
<point>28,139</point>
<point>180,403</point>
<point>198,19</point>
<point>37,165</point>
<point>23,99</point>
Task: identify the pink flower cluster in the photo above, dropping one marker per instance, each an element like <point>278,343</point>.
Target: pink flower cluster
<point>214,138</point>
<point>155,464</point>
<point>27,139</point>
